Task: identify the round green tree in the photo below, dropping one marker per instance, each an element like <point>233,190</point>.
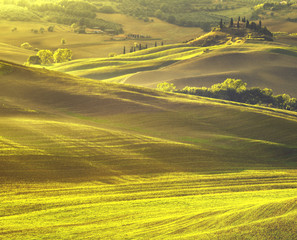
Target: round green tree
<point>46,56</point>
<point>62,55</point>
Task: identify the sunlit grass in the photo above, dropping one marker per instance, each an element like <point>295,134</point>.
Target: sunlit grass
<point>84,159</point>
<point>119,68</point>
<point>162,207</point>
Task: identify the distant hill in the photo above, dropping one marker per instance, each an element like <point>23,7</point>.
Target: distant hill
<point>258,68</point>
<point>238,32</point>
<point>259,63</point>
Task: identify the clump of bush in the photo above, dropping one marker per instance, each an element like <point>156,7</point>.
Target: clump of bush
<point>166,87</point>
<point>112,54</point>
<point>107,9</point>
<point>27,46</point>
<point>46,57</point>
<point>235,90</point>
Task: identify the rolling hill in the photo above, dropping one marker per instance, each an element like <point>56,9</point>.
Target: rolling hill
<point>87,159</point>
<point>14,54</point>
<point>260,64</point>
<point>271,69</point>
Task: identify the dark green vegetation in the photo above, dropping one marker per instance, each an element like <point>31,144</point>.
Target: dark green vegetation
<point>204,14</point>
<point>189,13</point>
<point>184,13</point>
<point>80,13</point>
<point>276,9</point>
<point>235,90</point>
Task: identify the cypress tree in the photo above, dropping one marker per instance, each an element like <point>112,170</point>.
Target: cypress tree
<point>231,22</point>
<point>221,24</point>
<point>253,26</point>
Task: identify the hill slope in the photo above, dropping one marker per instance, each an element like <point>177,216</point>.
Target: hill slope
<point>260,64</point>
<point>258,68</point>
<point>80,159</point>
<point>14,54</point>
<point>174,116</point>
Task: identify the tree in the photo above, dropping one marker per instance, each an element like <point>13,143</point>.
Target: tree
<point>231,22</point>
<point>82,22</point>
<point>63,41</point>
<point>62,55</point>
<point>166,87</point>
<point>171,19</point>
<point>50,28</point>
<point>112,54</point>
<point>46,56</point>
<point>221,24</point>
<point>237,84</point>
<point>247,24</point>
<point>34,60</point>
<point>253,26</point>
<point>27,46</point>
<point>124,50</point>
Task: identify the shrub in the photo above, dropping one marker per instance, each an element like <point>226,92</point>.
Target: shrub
<point>235,90</point>
<point>166,87</point>
<point>62,55</point>
<point>107,9</point>
<point>112,54</point>
<point>26,45</point>
<point>34,60</point>
<point>63,41</point>
<point>46,56</point>
<point>50,28</point>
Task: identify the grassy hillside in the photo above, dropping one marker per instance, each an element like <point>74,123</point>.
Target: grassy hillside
<point>92,45</point>
<point>14,54</point>
<point>85,159</point>
<point>260,64</point>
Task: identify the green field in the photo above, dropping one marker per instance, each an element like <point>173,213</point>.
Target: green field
<point>90,149</point>
<point>85,159</point>
<point>136,68</point>
<point>245,205</point>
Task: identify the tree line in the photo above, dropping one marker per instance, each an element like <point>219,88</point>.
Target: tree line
<point>68,12</point>
<point>236,90</point>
